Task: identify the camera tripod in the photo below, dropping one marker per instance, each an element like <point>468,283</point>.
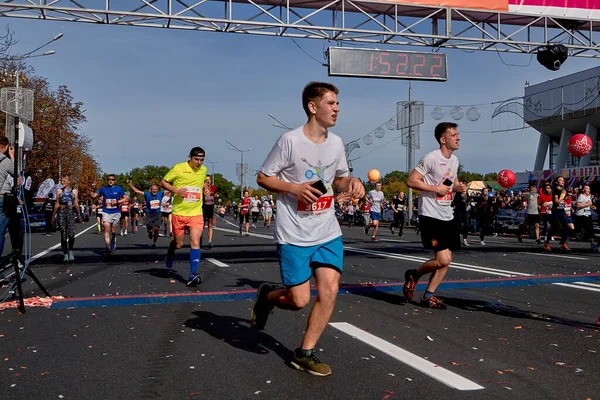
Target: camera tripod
<point>16,260</point>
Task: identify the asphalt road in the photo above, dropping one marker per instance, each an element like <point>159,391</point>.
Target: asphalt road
<point>521,324</point>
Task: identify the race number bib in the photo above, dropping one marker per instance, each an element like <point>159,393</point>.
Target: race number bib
<point>446,199</point>
<point>193,194</point>
<point>321,205</point>
<point>111,204</point>
<point>154,204</point>
<point>568,211</point>
<point>209,200</point>
<point>548,206</point>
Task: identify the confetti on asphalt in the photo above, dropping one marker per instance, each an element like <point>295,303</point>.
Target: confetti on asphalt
<point>500,372</point>
<point>390,374</point>
<point>518,327</point>
<point>531,368</point>
<point>553,344</point>
<point>44,373</point>
<point>192,367</point>
<point>454,363</point>
<point>194,394</point>
<point>268,381</point>
<point>13,385</point>
<point>257,392</point>
<point>430,338</point>
<point>409,379</point>
<point>60,396</point>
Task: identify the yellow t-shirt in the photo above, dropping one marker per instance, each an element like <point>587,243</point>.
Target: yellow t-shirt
<point>183,176</point>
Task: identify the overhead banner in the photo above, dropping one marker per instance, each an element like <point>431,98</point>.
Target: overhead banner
<point>581,9</point>
<point>580,172</point>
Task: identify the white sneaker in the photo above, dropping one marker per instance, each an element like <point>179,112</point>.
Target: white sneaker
<point>465,243</point>
<point>121,233</point>
<point>125,233</point>
<point>482,243</point>
<point>254,226</point>
<point>71,256</point>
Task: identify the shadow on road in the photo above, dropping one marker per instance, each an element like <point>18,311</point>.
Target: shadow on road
<point>512,312</point>
<point>238,333</point>
<point>163,273</point>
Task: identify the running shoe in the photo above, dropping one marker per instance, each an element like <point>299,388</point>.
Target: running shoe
<point>262,308</point>
<point>153,246</point>
<point>169,261</point>
<point>564,247</point>
<point>71,256</point>
<point>108,252</point>
<point>195,280</point>
<point>310,363</point>
<point>465,243</point>
<point>547,247</point>
<point>66,258</point>
<point>367,227</point>
<point>210,245</point>
<point>520,239</point>
<point>113,243</point>
<point>150,233</point>
<point>373,238</point>
<point>410,284</point>
<point>433,302</point>
<point>539,241</point>
<point>125,233</point>
<point>482,243</point>
<point>392,229</point>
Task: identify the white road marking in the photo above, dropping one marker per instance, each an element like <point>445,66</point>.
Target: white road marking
<point>553,255</point>
<point>466,267</point>
<point>49,249</point>
<point>217,263</point>
<point>438,373</point>
<point>469,267</point>
<point>393,240</point>
<point>260,235</point>
<point>576,285</point>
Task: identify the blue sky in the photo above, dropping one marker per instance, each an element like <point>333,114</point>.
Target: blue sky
<point>152,94</point>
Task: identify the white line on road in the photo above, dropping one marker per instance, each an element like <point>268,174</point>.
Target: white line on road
<point>467,267</point>
<point>553,255</point>
<point>260,235</point>
<point>49,249</point>
<point>576,285</point>
<point>438,373</point>
<point>217,263</point>
<point>393,240</point>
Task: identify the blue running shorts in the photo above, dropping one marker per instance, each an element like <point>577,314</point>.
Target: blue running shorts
<point>296,263</point>
<point>375,216</point>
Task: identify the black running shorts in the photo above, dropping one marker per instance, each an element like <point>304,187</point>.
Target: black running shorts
<point>438,235</point>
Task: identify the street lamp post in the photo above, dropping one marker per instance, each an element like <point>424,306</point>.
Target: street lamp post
<point>234,148</point>
<point>212,163</point>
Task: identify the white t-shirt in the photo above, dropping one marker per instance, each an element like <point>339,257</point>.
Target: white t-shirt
<point>296,159</point>
<point>585,211</point>
<point>267,205</point>
<point>350,210</point>
<point>435,169</point>
<point>254,203</point>
<point>375,198</point>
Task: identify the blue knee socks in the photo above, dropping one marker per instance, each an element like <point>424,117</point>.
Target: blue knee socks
<point>194,261</point>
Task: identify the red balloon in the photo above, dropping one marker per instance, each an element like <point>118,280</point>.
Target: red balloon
<point>506,178</point>
<point>580,145</point>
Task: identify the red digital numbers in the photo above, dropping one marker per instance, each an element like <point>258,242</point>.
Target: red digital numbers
<point>386,64</point>
<point>436,64</point>
<point>419,64</point>
<point>402,64</point>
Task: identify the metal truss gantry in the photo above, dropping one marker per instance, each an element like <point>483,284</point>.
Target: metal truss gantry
<point>350,21</point>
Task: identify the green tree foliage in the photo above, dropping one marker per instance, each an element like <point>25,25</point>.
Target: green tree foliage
<point>490,176</point>
<point>468,176</point>
<point>59,143</point>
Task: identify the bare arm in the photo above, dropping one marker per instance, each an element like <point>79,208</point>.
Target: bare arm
<point>352,186</point>
<point>303,191</point>
<point>415,181</point>
<point>135,190</point>
<point>56,205</point>
<point>171,188</point>
<point>76,204</point>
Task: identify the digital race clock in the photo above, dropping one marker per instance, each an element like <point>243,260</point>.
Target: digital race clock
<point>368,63</point>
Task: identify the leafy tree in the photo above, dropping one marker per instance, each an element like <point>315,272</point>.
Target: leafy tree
<point>490,176</point>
